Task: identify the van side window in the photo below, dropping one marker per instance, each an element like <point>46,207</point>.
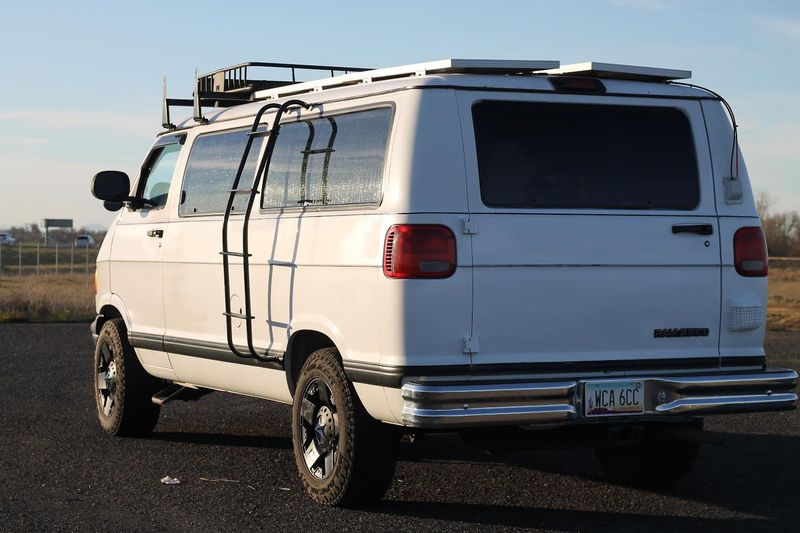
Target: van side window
<point>211,169</point>
<point>336,160</point>
<point>157,174</point>
<point>545,155</point>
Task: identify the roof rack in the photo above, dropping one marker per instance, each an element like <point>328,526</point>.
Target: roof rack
<point>620,72</point>
<point>233,85</point>
<point>234,79</point>
<point>443,66</point>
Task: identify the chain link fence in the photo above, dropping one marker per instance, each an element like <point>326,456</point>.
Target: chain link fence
<point>33,259</point>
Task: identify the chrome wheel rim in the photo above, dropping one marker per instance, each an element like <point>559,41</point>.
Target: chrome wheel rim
<point>319,424</point>
<point>106,380</point>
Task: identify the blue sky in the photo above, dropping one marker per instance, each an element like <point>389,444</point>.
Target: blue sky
<point>82,80</point>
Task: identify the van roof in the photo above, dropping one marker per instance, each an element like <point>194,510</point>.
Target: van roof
<point>486,74</point>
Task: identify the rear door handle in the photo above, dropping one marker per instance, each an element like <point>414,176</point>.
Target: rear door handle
<point>157,233</point>
<point>699,229</point>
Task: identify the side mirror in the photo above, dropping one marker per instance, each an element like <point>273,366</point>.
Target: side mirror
<point>111,185</point>
<point>112,206</point>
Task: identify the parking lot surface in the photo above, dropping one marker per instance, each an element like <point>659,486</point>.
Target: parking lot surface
<point>234,461</point>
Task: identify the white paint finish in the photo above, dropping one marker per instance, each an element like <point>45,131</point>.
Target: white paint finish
<point>374,400</point>
<point>590,284</point>
<point>720,139</point>
<point>193,296</point>
<point>613,70</point>
<point>531,240</point>
<point>427,156</point>
<point>102,282</point>
<point>156,363</point>
<point>136,269</point>
<point>337,259</point>
<point>593,313</point>
<point>394,399</point>
<point>424,321</point>
<point>109,298</point>
<point>733,217</point>
<point>103,269</point>
<point>739,288</point>
<point>232,377</point>
<point>159,372</point>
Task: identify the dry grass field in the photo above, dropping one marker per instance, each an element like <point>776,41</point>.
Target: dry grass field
<point>49,298</point>
<point>70,298</point>
<point>783,313</point>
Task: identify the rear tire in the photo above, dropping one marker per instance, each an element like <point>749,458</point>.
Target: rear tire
<point>344,456</point>
<point>656,463</point>
<point>123,390</point>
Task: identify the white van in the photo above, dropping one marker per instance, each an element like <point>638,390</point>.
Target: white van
<point>84,241</point>
<point>500,248</point>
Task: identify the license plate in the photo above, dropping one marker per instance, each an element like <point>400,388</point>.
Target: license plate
<point>607,398</point>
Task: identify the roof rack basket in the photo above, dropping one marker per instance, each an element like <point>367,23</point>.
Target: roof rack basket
<point>233,85</point>
<point>235,79</point>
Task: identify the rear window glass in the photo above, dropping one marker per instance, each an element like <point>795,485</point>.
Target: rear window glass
<point>544,155</point>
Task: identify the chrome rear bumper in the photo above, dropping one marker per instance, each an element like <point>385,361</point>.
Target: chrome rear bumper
<point>496,402</point>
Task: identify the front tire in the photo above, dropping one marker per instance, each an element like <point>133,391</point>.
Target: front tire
<point>343,456</point>
<point>123,390</point>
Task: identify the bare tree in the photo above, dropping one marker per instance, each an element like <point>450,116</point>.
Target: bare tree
<point>782,229</point>
<point>764,203</point>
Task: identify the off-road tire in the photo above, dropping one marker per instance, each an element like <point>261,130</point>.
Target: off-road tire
<point>367,449</point>
<point>655,463</point>
<point>132,412</point>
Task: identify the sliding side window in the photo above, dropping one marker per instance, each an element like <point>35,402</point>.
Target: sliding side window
<point>336,160</point>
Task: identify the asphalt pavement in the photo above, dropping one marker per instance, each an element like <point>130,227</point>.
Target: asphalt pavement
<point>234,461</point>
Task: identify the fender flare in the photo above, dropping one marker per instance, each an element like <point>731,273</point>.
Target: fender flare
<point>110,300</point>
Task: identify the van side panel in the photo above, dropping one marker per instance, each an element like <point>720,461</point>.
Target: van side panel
<point>720,140</point>
<point>427,164</point>
<point>744,299</point>
<point>425,321</point>
<point>316,271</point>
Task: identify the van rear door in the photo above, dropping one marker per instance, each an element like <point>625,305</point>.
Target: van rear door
<point>597,243</point>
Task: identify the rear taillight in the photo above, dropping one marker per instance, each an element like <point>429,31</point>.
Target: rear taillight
<point>750,252</point>
<point>419,251</point>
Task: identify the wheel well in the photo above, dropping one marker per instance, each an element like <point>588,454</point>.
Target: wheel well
<point>107,312</point>
<point>301,345</point>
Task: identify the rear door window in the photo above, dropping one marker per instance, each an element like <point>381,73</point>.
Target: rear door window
<point>548,155</point>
